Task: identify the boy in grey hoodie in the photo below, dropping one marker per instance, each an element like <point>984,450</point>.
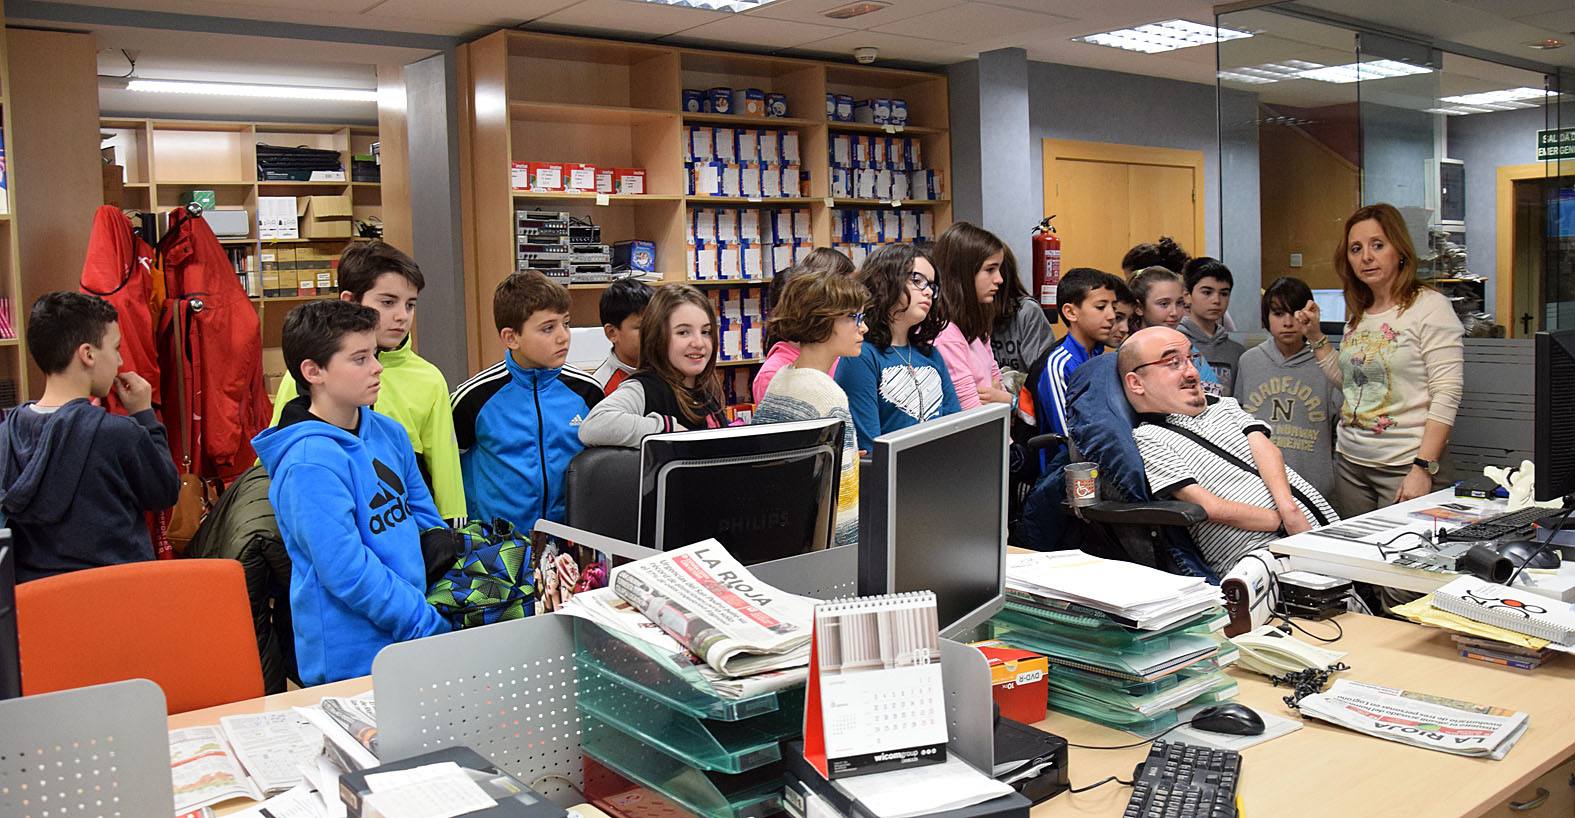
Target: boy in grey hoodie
<point>1208,282</point>
<point>1279,382</point>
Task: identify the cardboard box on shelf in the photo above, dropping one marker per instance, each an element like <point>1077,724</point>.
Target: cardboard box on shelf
<point>274,371</point>
<point>325,217</point>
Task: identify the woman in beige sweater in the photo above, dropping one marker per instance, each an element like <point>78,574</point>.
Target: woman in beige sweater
<point>1400,366</point>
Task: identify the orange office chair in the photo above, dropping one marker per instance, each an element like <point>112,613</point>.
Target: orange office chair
<point>184,624</point>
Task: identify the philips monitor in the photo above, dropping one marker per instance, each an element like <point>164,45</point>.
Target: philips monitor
<point>765,492</point>
<point>932,515</point>
<point>1553,433</point>
<point>10,658</point>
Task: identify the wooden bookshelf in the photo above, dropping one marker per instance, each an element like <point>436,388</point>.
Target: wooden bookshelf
<point>532,96</point>
<point>13,350</point>
<point>166,159</point>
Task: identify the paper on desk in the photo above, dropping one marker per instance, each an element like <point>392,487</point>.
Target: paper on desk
<point>203,772</point>
<point>922,790</point>
<point>430,791</point>
<point>323,775</point>
<point>272,746</point>
<point>299,802</point>
<point>1422,612</point>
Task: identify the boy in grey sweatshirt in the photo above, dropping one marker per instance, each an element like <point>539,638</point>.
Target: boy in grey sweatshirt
<point>1209,282</point>
<point>1280,383</point>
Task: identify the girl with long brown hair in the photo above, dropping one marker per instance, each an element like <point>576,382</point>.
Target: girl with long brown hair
<point>968,263</point>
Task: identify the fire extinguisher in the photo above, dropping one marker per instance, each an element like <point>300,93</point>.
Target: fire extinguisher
<point>1047,266</point>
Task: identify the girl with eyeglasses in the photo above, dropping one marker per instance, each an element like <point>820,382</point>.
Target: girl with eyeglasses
<point>968,263</point>
<point>823,314</point>
<point>898,379</point>
<point>1021,333</point>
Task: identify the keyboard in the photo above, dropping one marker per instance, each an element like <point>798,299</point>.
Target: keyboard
<point>1503,525</point>
<point>1184,781</point>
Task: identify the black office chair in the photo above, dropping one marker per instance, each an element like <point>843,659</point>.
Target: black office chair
<point>602,492</point>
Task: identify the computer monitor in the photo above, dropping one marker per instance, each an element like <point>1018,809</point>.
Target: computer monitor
<point>765,492</point>
<point>1553,435</point>
<point>1331,306</point>
<point>10,657</point>
<point>932,515</point>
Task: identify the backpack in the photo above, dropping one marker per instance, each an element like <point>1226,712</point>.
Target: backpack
<point>489,579</point>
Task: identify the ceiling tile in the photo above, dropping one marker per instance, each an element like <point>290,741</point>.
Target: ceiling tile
<point>743,31</point>
<point>647,21</point>
<point>475,12</point>
<point>892,47</point>
<point>969,22</point>
<point>813,11</point>
<point>1561,21</point>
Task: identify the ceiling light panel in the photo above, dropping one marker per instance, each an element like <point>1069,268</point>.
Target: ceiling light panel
<point>1267,72</point>
<point>1156,38</point>
<point>232,89</point>
<point>714,5</point>
<point>1525,96</point>
<point>1363,71</point>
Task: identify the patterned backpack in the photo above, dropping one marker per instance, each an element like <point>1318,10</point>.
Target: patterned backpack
<point>489,580</point>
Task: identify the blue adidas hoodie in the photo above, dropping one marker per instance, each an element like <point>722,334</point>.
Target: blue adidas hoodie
<point>351,506</point>
<point>518,428</point>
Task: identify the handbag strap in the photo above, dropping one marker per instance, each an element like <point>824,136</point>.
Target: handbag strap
<point>1232,459</point>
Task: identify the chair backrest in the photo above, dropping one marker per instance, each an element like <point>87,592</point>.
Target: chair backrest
<point>1101,420</point>
<point>184,624</point>
<point>94,752</point>
<point>602,492</point>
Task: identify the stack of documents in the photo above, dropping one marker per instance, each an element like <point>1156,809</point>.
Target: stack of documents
<point>1431,722</point>
<point>1128,593</point>
<point>1128,646</point>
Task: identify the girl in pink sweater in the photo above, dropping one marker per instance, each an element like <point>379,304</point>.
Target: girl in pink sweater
<point>968,269</point>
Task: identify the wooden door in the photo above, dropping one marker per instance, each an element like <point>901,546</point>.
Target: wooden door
<point>1107,198</point>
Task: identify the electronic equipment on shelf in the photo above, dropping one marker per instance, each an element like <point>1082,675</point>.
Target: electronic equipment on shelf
<point>1179,780</point>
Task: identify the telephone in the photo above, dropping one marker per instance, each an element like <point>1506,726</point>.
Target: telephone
<point>1268,651</point>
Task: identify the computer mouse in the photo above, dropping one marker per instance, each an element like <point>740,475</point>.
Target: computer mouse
<point>1231,718</point>
<point>1518,551</point>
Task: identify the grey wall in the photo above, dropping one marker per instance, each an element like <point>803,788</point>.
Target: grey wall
<point>1068,102</point>
<point>990,154</point>
<point>1484,142</point>
<point>433,127</point>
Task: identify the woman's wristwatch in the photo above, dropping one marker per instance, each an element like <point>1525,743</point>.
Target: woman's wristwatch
<point>1429,466</point>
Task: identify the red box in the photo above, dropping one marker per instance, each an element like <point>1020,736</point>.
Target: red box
<point>1017,681</point>
<point>519,175</point>
<point>579,178</point>
<point>629,180</point>
<point>604,180</point>
<point>547,177</point>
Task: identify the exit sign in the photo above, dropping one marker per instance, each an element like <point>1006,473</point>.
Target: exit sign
<point>1556,144</point>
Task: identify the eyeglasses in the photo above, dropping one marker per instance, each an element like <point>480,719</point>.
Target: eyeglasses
<point>918,282</point>
<point>1173,362</point>
<point>858,317</point>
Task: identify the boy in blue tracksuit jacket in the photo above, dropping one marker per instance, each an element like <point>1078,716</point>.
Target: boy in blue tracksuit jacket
<point>518,421</point>
<point>349,498</point>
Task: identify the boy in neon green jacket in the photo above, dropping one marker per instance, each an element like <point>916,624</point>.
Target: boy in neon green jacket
<point>414,393</point>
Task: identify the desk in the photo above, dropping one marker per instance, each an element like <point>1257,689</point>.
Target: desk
<point>1323,771</point>
<point>1319,771</point>
<point>1362,563</point>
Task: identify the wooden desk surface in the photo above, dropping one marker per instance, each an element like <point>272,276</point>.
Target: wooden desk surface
<point>1321,770</point>
<point>1318,771</point>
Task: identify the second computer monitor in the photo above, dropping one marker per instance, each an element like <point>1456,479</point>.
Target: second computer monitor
<point>765,492</point>
<point>932,514</point>
<point>1553,432</point>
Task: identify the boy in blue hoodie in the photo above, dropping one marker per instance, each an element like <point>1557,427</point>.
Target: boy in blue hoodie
<point>75,479</point>
<point>349,498</point>
<point>518,421</point>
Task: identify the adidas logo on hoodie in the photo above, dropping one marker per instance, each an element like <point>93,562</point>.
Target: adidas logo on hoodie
<point>388,505</point>
<point>576,421</point>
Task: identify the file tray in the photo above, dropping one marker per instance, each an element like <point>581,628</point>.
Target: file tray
<point>1188,687</point>
<point>640,669</point>
<point>720,746</point>
<point>1145,725</point>
<point>754,794</point>
<point>1146,662</point>
<point>1087,629</point>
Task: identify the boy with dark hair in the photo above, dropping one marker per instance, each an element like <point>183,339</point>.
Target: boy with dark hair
<point>1086,300</point>
<point>518,421</point>
<point>75,480</point>
<point>1279,382</point>
<point>1126,310</point>
<point>1208,284</point>
<point>622,304</point>
<point>349,499</point>
<point>415,394</point>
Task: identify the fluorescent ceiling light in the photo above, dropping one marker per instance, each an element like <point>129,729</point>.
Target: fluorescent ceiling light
<point>235,89</point>
<point>1267,72</point>
<point>1517,97</point>
<point>714,5</point>
<point>1158,37</point>
<point>1364,71</point>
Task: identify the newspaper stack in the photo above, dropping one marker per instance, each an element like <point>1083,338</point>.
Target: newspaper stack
<point>1417,719</point>
<point>1132,594</point>
<point>698,608</point>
